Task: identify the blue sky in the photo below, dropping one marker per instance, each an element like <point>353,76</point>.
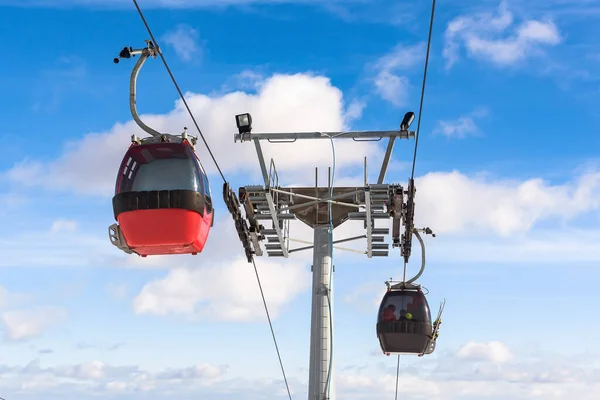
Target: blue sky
<point>507,176</point>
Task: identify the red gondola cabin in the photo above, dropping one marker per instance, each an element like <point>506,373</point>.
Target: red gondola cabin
<point>162,199</point>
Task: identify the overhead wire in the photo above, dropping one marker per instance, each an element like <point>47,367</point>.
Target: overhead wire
<point>262,294</point>
<point>224,180</point>
<point>412,175</point>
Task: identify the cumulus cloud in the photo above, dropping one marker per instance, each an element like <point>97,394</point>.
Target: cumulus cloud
<point>477,370</point>
<point>247,79</point>
<point>284,103</point>
<point>389,84</point>
<point>26,324</point>
<point>493,37</point>
<point>461,127</point>
<point>533,247</point>
<point>451,202</point>
<point>18,324</point>
<point>185,41</point>
<point>225,292</point>
<point>105,379</point>
<point>495,352</point>
<point>446,376</point>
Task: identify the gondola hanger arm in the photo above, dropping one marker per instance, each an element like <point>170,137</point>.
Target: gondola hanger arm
<point>149,51</point>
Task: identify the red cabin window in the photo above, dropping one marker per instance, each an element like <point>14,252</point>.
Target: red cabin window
<point>160,166</point>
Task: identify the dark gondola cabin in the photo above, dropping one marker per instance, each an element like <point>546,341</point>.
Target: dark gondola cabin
<point>404,321</point>
<point>162,199</point>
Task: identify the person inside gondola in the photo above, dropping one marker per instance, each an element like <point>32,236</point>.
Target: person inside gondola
<point>416,308</point>
<point>389,313</point>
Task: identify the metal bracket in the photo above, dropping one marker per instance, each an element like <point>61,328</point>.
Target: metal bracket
<point>408,221</point>
<point>396,207</point>
<point>286,137</point>
<point>117,239</point>
<point>233,205</point>
<point>267,195</point>
<point>149,51</point>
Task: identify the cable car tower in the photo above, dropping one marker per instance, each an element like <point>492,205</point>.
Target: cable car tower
<point>323,208</point>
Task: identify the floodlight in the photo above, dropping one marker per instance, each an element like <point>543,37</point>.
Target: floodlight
<point>409,117</point>
<point>244,123</point>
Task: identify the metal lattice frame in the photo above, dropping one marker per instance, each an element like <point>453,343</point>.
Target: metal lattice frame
<point>279,205</point>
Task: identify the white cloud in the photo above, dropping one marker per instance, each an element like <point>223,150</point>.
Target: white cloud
<point>487,36</point>
<point>106,379</point>
<point>26,324</point>
<point>530,247</point>
<point>495,352</point>
<point>247,79</point>
<point>454,203</point>
<point>448,375</point>
<point>477,370</point>
<point>462,126</point>
<point>184,40</point>
<point>283,103</point>
<point>354,110</point>
<point>64,225</point>
<point>226,291</point>
<point>391,86</point>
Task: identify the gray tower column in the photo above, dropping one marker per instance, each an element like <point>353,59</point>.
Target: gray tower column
<point>321,323</point>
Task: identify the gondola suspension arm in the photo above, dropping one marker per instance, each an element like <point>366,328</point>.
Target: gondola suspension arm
<point>417,234</point>
<point>423,262</point>
<point>128,52</point>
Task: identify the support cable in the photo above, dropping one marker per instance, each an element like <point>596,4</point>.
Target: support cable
<point>412,175</point>
<point>262,294</point>
<point>397,377</point>
<point>224,180</point>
